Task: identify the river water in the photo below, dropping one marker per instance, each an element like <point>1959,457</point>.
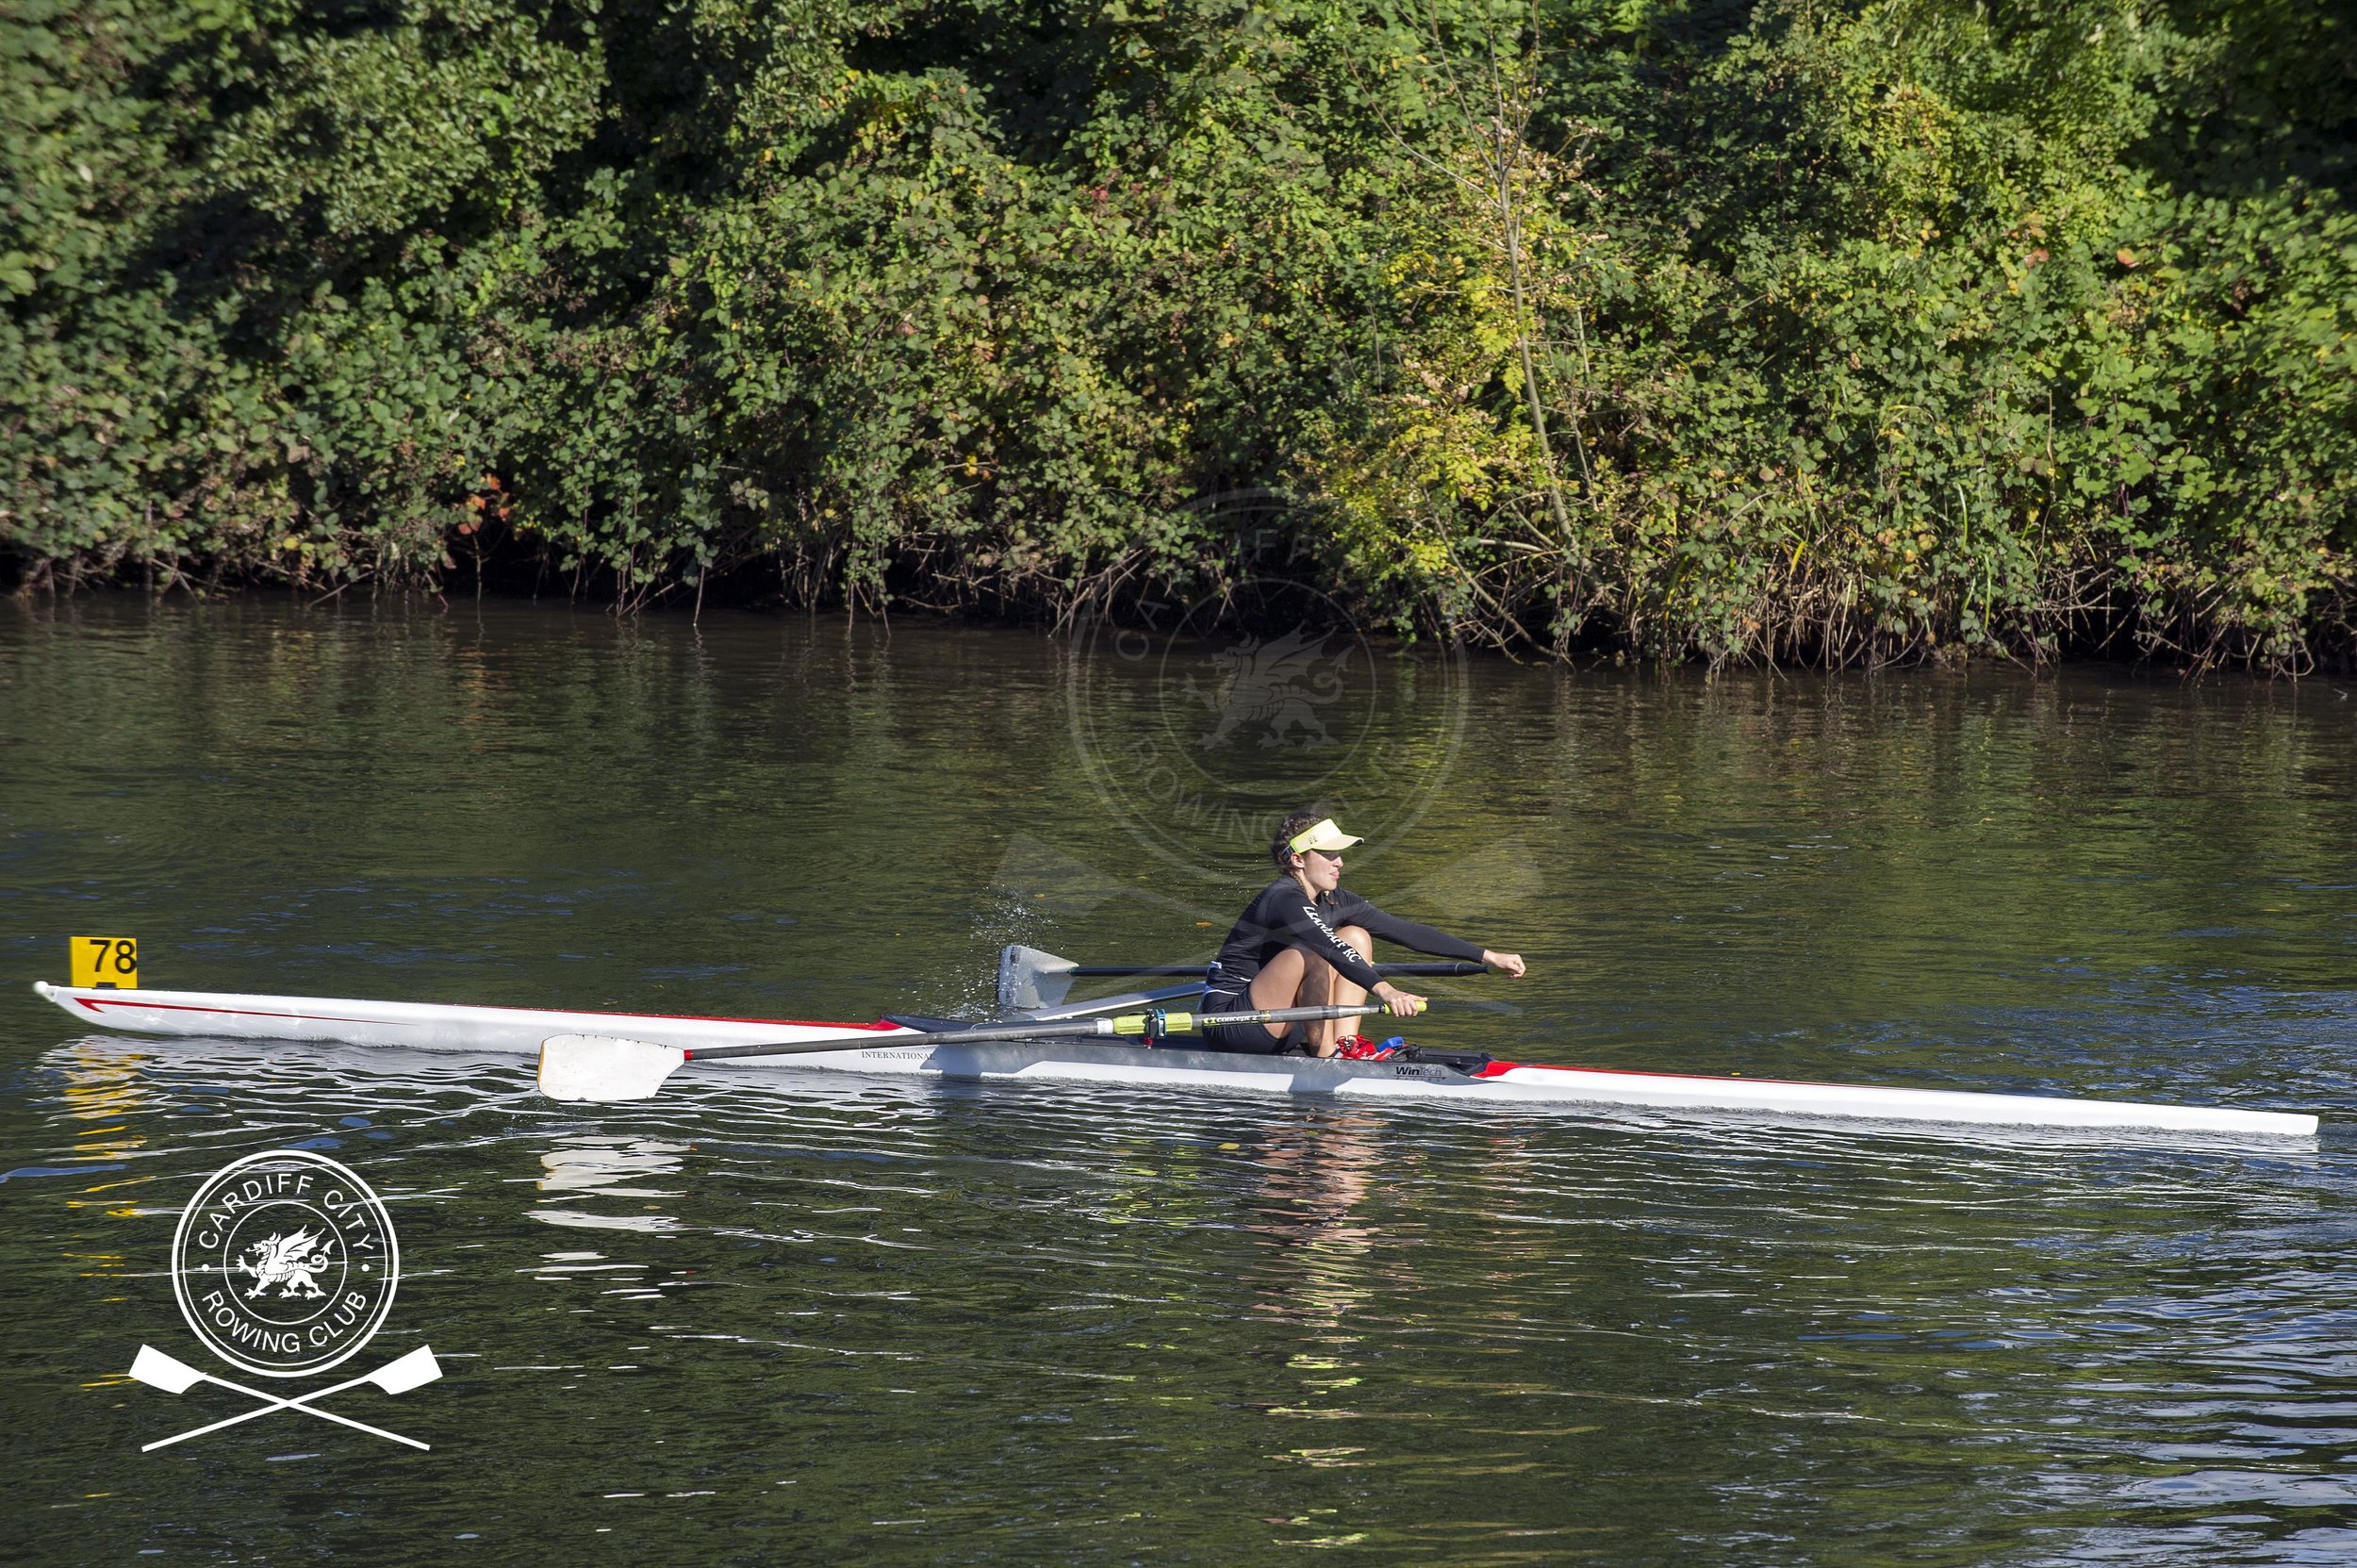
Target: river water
<point>773,1317</point>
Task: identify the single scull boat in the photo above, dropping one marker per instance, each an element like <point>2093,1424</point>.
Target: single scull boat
<point>891,1047</point>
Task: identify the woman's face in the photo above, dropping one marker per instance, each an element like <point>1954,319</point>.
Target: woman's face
<point>1321,869</point>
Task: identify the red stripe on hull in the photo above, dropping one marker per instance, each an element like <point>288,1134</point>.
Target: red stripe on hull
<point>95,1004</point>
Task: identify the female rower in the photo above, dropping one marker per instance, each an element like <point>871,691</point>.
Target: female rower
<point>1305,942</point>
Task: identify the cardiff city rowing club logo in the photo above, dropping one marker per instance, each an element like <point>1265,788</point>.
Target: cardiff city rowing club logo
<point>284,1265</point>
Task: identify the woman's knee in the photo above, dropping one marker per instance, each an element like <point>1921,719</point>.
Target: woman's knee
<point>1359,938</point>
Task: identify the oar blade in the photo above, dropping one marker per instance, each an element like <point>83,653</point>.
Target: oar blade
<point>1030,980</point>
<point>414,1370</point>
<point>604,1068</point>
<point>156,1370</point>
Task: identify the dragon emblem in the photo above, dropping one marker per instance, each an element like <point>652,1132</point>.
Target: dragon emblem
<point>1280,686</point>
<point>290,1262</point>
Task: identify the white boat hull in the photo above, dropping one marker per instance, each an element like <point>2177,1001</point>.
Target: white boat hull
<point>891,1049</point>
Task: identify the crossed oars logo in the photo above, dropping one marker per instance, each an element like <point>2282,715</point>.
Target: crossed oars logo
<point>285,1265</point>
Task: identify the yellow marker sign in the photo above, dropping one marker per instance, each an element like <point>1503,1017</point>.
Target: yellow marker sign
<point>109,963</point>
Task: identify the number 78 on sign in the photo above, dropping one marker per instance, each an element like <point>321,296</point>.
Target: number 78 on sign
<point>107,963</point>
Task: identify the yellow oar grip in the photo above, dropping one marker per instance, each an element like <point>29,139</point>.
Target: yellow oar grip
<point>1165,1023</point>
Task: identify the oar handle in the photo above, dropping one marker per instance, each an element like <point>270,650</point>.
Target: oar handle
<point>1133,1023</point>
<point>1460,967</point>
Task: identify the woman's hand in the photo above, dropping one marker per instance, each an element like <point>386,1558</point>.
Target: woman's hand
<point>1510,962</point>
<point>1398,1004</point>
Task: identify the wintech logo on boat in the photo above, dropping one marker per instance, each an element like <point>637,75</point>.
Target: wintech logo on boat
<point>285,1265</point>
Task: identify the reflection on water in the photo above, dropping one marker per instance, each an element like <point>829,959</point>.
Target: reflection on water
<point>1314,1185</point>
<point>771,1319</point>
<point>607,1168</point>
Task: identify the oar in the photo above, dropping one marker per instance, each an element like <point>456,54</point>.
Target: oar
<point>1030,978</point>
<point>414,1370</point>
<point>1455,966</point>
<point>159,1371</point>
<point>606,1068</point>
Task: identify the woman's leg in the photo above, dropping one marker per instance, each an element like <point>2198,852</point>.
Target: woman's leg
<point>1298,978</point>
<point>1285,980</point>
<point>1340,992</point>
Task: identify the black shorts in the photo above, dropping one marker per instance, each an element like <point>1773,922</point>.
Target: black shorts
<point>1252,1039</point>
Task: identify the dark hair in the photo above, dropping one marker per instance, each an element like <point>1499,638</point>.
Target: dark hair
<point>1295,822</point>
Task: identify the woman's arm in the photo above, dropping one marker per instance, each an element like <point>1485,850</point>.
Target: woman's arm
<point>1423,939</point>
<point>1352,910</point>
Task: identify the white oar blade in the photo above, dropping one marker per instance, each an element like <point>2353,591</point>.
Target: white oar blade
<point>414,1370</point>
<point>157,1370</point>
<point>603,1068</point>
<point>1030,980</point>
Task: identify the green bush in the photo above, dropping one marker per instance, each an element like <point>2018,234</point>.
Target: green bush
<point>1807,332</point>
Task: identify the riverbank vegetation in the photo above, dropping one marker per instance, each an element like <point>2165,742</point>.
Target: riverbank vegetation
<point>1802,330</point>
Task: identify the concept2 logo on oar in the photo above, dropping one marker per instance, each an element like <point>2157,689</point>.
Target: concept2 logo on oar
<point>285,1265</point>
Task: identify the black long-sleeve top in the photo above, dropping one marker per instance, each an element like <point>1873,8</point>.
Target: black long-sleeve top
<point>1283,917</point>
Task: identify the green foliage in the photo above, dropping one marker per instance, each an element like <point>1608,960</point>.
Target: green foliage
<point>382,129</point>
<point>1877,332</point>
<point>1811,332</point>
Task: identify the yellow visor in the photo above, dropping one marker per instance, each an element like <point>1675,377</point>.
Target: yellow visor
<point>1324,835</point>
